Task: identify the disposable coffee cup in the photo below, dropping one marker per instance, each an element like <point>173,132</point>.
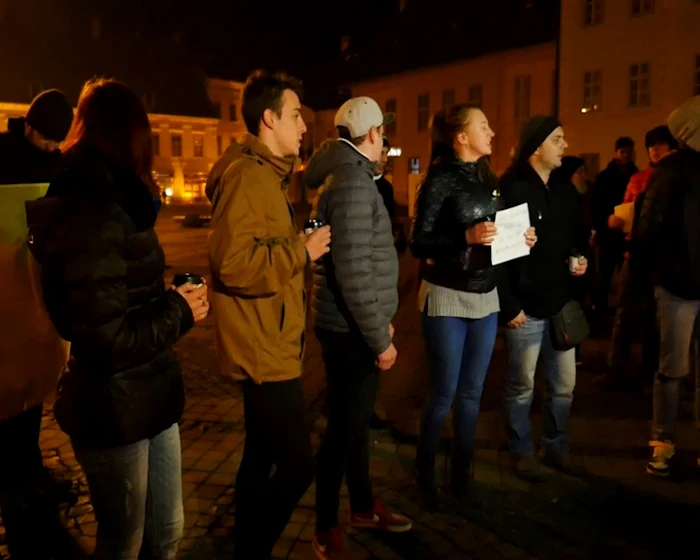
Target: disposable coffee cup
<point>574,262</point>
<point>187,277</point>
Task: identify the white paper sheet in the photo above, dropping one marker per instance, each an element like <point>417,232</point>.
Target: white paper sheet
<point>510,243</point>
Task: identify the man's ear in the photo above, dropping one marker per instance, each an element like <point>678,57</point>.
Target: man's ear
<point>268,118</point>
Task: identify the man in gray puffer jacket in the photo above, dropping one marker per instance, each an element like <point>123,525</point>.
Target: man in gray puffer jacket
<point>354,299</point>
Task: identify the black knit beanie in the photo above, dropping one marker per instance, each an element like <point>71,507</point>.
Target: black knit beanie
<point>660,135</point>
<point>51,115</point>
<point>534,132</point>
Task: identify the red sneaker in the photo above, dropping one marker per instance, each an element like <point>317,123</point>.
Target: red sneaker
<point>380,518</point>
<point>329,544</point>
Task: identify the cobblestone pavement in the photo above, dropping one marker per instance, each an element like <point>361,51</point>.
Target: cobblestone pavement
<point>616,511</point>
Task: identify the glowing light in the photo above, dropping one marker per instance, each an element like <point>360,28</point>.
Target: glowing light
<point>394,152</point>
<point>168,192</point>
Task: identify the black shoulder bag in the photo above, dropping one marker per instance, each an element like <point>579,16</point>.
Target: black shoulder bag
<point>569,327</point>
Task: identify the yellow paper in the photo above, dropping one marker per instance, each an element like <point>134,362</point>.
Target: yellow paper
<point>32,354</point>
<point>626,212</point>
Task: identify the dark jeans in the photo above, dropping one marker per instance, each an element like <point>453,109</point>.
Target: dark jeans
<point>353,378</point>
<point>22,511</point>
<point>19,437</point>
<point>636,306</point>
<point>277,435</point>
<point>609,256</point>
<point>459,354</point>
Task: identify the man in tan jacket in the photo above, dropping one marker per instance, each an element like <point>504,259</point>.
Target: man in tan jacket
<point>257,261</point>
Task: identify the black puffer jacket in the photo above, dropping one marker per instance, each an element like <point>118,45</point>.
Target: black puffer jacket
<point>452,199</point>
<point>102,278</point>
<point>20,161</point>
<point>669,224</point>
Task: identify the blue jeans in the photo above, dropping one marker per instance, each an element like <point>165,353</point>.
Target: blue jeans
<point>679,326</point>
<point>459,353</point>
<point>136,491</point>
<point>524,346</point>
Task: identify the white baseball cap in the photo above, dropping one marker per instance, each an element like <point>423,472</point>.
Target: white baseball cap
<point>687,115</point>
<point>360,114</point>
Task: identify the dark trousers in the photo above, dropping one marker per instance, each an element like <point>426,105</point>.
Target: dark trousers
<point>635,310</point>
<point>19,437</point>
<point>277,435</point>
<point>353,378</point>
<point>25,513</point>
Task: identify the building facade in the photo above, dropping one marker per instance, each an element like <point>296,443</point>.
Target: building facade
<point>510,86</point>
<point>624,66</point>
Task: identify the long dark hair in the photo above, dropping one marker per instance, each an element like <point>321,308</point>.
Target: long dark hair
<point>445,127</point>
<point>112,121</point>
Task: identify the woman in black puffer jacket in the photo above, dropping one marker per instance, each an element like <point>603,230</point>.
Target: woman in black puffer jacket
<point>102,278</point>
<point>452,229</point>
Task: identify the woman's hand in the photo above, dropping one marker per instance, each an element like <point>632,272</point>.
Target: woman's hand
<point>196,297</point>
<point>482,233</point>
<point>530,237</point>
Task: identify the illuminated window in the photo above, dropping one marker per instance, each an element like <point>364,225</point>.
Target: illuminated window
<point>218,145</point>
<point>233,112</point>
<point>156,144</point>
<point>696,84</point>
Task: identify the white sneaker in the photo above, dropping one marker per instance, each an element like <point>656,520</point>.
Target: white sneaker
<point>661,456</point>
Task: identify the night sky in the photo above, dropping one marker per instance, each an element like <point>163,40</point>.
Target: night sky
<point>228,38</point>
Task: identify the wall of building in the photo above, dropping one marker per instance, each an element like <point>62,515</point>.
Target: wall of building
<point>667,39</point>
<point>495,73</point>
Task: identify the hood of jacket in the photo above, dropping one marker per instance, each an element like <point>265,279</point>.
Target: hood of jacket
<point>250,146</point>
<point>331,156</point>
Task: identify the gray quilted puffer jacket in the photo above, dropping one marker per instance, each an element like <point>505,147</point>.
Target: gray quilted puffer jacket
<point>355,285</point>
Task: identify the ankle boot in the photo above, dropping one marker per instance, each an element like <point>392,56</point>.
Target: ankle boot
<point>462,474</point>
<point>425,480</point>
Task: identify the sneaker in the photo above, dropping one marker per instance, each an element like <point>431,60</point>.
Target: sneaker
<point>329,544</point>
<point>528,468</point>
<point>380,518</point>
<point>661,456</point>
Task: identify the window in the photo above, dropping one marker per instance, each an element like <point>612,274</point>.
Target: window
<point>696,83</point>
<point>642,7</point>
<point>593,12</point>
<point>476,94</point>
<point>448,98</point>
<point>218,145</point>
<point>222,116</point>
<point>156,144</point>
<point>233,113</point>
<point>592,91</point>
<point>198,145</point>
<point>176,142</point>
<point>521,109</point>
<point>390,107</point>
<point>423,111</point>
<point>640,85</point>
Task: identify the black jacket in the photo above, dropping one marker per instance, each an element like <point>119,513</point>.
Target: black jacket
<point>386,189</point>
<point>669,224</point>
<point>21,162</point>
<point>102,279</point>
<point>609,191</point>
<point>540,284</point>
<point>452,199</point>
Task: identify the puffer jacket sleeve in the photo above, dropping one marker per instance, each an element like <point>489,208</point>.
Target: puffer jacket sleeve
<point>428,239</point>
<point>350,211</point>
<point>85,292</point>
